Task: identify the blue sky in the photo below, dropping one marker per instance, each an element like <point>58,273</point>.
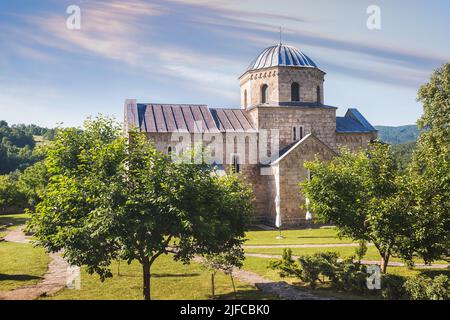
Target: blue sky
<point>193,51</point>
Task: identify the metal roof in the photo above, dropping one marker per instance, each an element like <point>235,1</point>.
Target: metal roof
<point>353,122</point>
<point>190,118</point>
<point>281,55</point>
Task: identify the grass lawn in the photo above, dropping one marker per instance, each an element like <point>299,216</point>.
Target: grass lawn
<point>9,222</point>
<point>305,236</point>
<point>21,264</point>
<point>344,252</point>
<point>170,281</point>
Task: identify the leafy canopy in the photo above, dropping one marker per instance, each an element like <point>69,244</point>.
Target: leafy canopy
<point>358,193</point>
<point>113,198</point>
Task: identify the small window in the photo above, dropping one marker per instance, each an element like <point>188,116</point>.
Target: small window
<point>169,150</point>
<point>295,92</point>
<point>319,99</point>
<point>297,133</point>
<point>264,93</point>
<point>236,165</point>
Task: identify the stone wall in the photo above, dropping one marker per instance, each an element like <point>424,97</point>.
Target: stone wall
<point>355,141</point>
<point>308,79</point>
<point>279,81</point>
<point>321,122</point>
<point>291,173</point>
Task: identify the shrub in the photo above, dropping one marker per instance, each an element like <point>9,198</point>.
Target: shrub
<point>344,275</point>
<point>350,276</point>
<point>392,287</point>
<point>287,266</point>
<point>313,266</point>
<point>425,288</point>
<point>439,288</point>
<point>307,268</point>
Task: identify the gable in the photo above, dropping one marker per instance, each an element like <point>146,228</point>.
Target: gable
<point>309,140</point>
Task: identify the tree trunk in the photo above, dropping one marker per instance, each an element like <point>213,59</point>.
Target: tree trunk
<point>146,275</point>
<point>212,284</point>
<point>118,267</point>
<point>234,287</point>
<point>384,262</point>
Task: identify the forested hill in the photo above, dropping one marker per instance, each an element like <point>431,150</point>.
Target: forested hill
<point>17,144</point>
<point>398,135</point>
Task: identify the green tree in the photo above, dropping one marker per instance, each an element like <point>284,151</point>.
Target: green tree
<point>10,194</point>
<point>33,182</point>
<point>428,177</point>
<point>358,193</point>
<point>225,262</point>
<point>403,154</point>
<point>110,198</point>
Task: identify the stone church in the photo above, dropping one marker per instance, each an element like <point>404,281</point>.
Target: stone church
<point>282,122</point>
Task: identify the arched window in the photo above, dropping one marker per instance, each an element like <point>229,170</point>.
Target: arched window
<point>264,93</point>
<point>295,92</point>
<point>319,100</point>
<point>169,150</point>
<point>245,99</point>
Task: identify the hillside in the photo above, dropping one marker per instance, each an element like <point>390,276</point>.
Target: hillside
<point>398,135</point>
<point>17,145</point>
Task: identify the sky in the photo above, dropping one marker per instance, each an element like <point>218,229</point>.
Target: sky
<point>193,51</point>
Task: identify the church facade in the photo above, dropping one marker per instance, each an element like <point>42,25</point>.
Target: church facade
<point>281,123</point>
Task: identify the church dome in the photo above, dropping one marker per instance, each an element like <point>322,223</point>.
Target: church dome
<point>281,56</point>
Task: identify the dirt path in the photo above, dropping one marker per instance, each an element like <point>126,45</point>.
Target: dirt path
<point>369,262</point>
<point>54,279</point>
<point>17,235</point>
<point>281,289</point>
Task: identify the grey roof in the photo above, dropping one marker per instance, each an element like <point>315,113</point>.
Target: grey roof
<point>281,55</point>
<point>190,118</point>
<point>353,122</point>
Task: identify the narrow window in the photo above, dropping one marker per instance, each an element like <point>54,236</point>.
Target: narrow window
<point>295,92</point>
<point>169,150</point>
<point>297,133</point>
<point>319,100</point>
<point>264,93</point>
<point>236,165</point>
